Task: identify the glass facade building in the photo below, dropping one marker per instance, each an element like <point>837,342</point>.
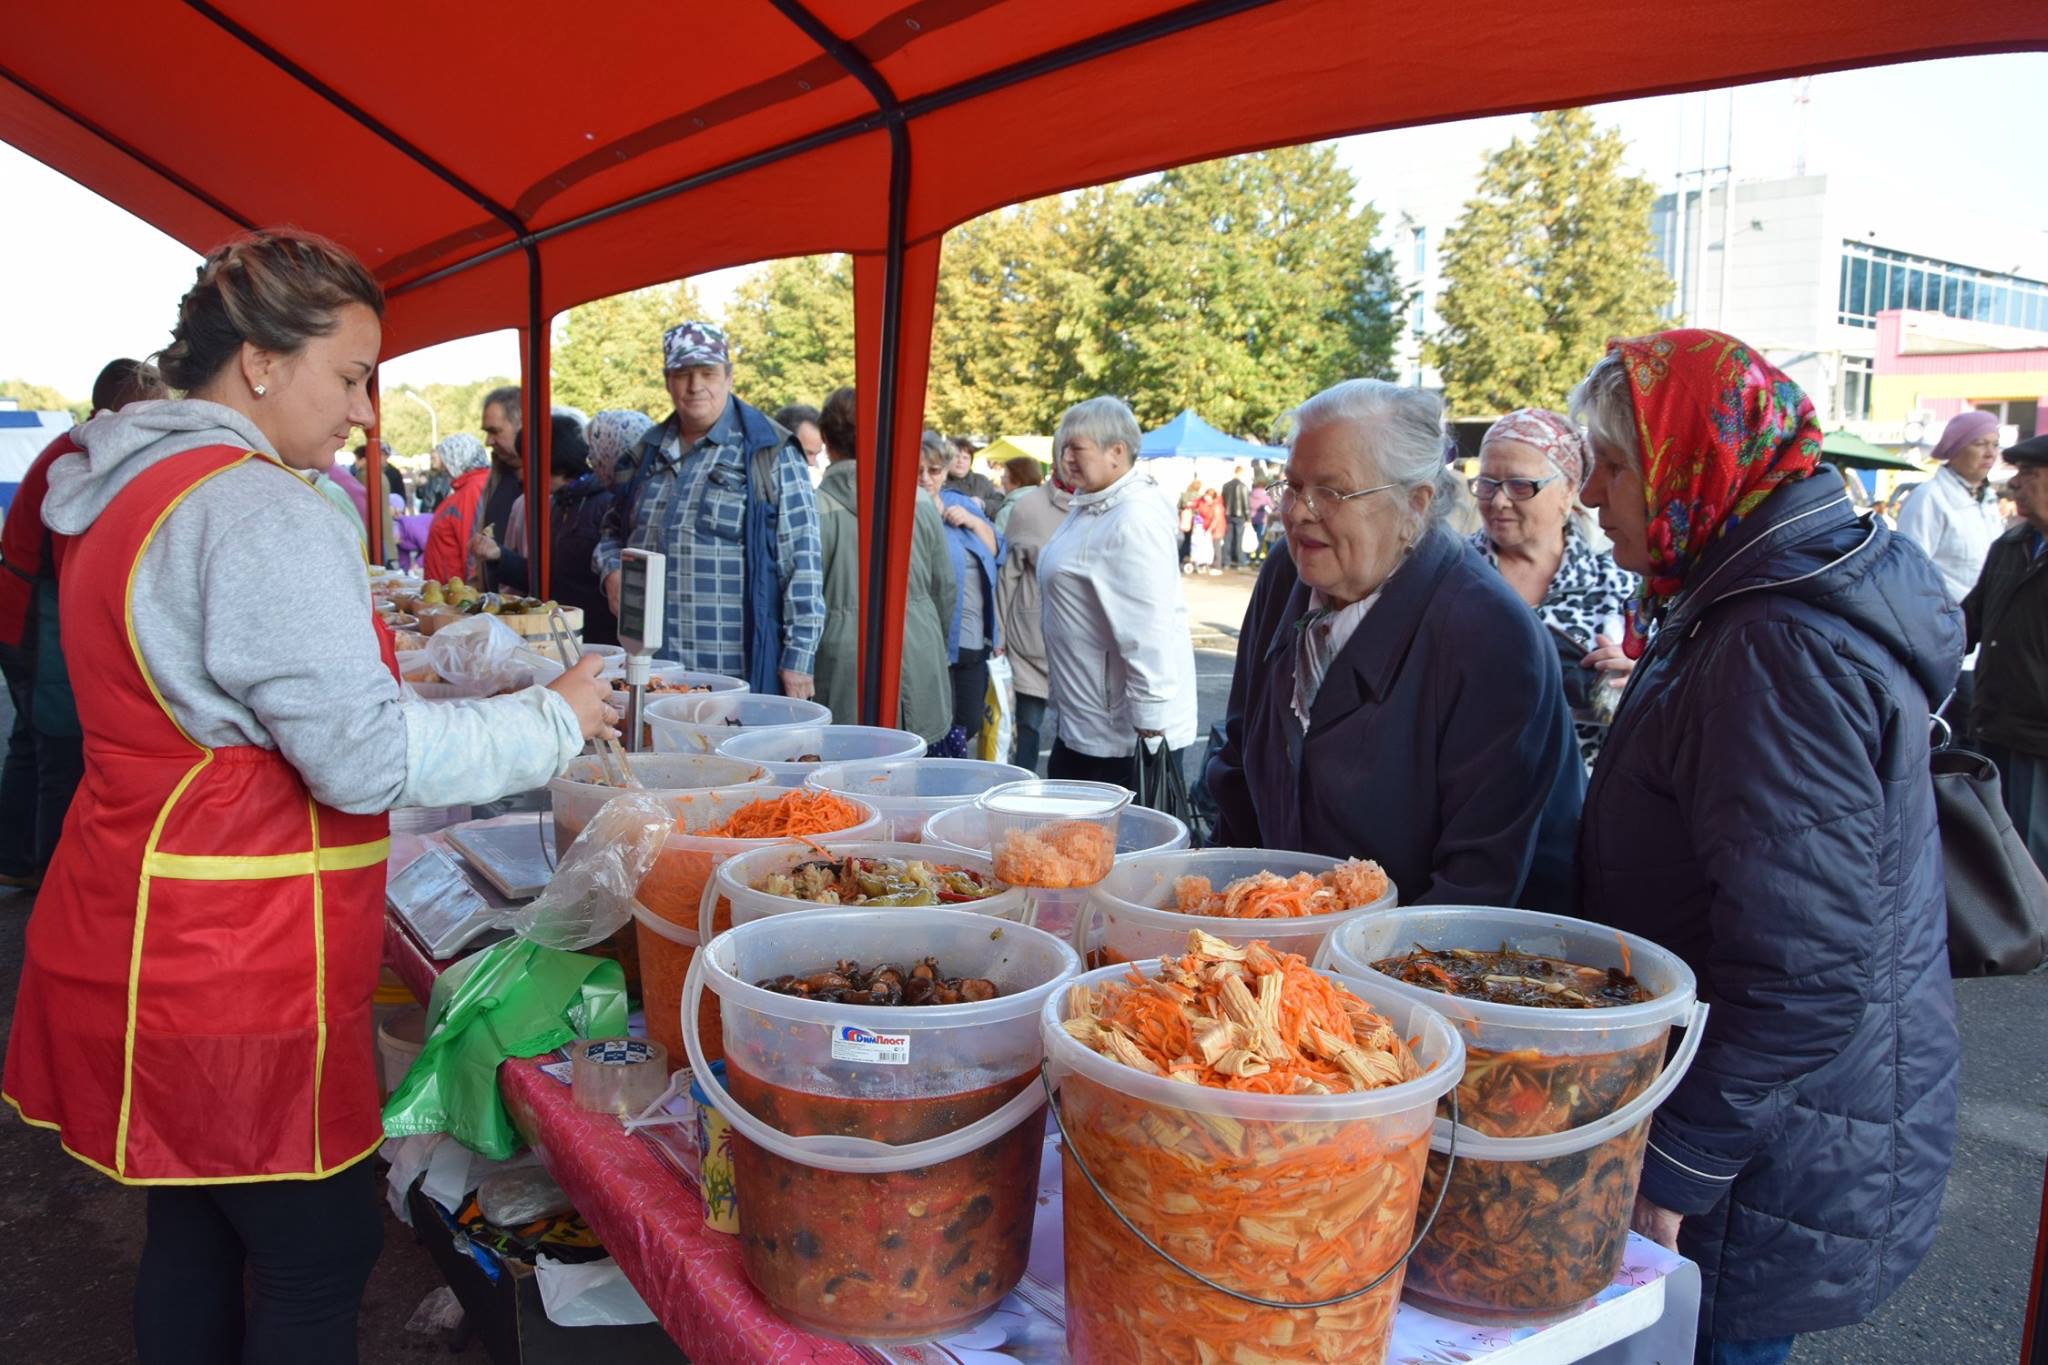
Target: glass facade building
<point>1875,278</point>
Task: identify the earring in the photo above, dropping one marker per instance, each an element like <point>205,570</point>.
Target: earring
<point>259,390</point>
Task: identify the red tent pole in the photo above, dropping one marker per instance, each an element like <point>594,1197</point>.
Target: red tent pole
<point>373,469</point>
<point>537,402</point>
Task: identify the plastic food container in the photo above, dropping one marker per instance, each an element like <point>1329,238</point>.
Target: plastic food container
<point>911,791</point>
<point>1054,834</point>
<point>676,680</point>
<point>672,903</point>
<point>1558,1103</point>
<point>792,755</point>
<point>737,875</point>
<point>886,1160</point>
<point>1138,830</point>
<point>578,794</point>
<point>1220,1178</point>
<point>1128,917</point>
<point>697,723</point>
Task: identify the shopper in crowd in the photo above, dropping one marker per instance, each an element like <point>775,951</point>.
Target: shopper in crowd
<point>358,470</point>
<point>1209,537</point>
<point>1237,515</point>
<point>1261,504</point>
<point>1184,509</point>
<point>2007,616</point>
<point>1393,698</point>
<point>963,477</point>
<point>1953,515</point>
<point>580,495</point>
<point>194,1008</point>
<point>433,489</point>
<point>1031,513</point>
<point>503,420</point>
<point>467,464</point>
<point>974,631</point>
<point>724,493</point>
<point>1531,466</point>
<point>1120,664</point>
<point>327,481</point>
<point>800,420</point>
<point>45,758</point>
<point>1763,808</point>
<point>924,694</point>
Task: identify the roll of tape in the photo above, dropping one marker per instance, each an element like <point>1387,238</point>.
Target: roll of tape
<point>617,1075</point>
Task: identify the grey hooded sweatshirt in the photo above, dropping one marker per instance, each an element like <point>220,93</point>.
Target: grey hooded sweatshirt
<point>252,613</point>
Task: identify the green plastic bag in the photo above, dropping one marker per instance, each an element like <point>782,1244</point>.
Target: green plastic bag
<point>512,999</point>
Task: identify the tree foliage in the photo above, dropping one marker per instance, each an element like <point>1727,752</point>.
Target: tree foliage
<point>42,398</point>
<point>790,324</point>
<point>403,423</point>
<point>1552,256</point>
<point>607,353</point>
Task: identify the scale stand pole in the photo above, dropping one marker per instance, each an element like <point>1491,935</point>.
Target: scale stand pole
<point>636,700</point>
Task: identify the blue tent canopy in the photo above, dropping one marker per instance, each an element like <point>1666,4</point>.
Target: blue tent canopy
<point>1188,435</point>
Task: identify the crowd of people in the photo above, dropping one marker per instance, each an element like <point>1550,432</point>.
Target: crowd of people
<point>1660,584</point>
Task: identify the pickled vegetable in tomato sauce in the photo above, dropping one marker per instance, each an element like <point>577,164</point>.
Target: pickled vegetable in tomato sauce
<point>901,1256</point>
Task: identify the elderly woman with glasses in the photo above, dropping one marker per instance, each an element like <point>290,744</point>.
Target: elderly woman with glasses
<point>1545,544</point>
<point>1393,698</point>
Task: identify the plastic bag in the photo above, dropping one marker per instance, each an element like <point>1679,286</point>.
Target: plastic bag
<point>484,657</point>
<point>999,724</point>
<point>590,897</point>
<point>593,1294</point>
<point>523,1195</point>
<point>512,999</point>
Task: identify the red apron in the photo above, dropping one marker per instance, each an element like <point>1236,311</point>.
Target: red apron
<point>195,1000</point>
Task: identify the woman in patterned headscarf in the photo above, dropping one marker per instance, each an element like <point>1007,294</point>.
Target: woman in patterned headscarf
<point>1763,808</point>
<point>1535,531</point>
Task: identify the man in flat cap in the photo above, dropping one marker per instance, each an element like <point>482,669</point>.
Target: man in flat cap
<point>725,494</point>
<point>2007,617</point>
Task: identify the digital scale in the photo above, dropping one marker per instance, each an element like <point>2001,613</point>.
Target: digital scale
<point>643,598</point>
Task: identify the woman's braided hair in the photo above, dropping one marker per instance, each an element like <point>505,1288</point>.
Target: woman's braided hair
<point>276,288</point>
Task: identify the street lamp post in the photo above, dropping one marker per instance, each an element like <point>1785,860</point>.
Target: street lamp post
<point>433,422</point>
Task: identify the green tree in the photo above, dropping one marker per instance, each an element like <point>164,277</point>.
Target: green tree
<point>32,397</point>
<point>1239,287</point>
<point>404,425</point>
<point>1551,257</point>
<point>607,353</point>
<point>790,323</point>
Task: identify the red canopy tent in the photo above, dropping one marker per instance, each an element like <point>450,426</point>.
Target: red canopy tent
<point>496,165</point>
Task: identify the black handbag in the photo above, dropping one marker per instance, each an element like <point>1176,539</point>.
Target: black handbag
<point>1997,897</point>
<point>1164,787</point>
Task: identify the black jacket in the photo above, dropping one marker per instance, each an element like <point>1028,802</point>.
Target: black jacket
<point>2007,613</point>
<point>1440,745</point>
<point>1763,808</point>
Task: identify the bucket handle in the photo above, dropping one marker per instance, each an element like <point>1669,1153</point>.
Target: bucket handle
<point>1074,1153</point>
<point>1594,1131</point>
<point>1084,924</point>
<point>707,908</point>
<point>828,1151</point>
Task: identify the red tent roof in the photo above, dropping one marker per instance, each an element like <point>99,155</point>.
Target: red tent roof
<point>463,150</point>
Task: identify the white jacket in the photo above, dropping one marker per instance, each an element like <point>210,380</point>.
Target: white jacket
<point>1118,655</point>
<point>1955,526</point>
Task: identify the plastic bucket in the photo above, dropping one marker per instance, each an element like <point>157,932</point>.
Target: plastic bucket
<point>1128,917</point>
<point>579,793</point>
<point>1537,1214</point>
<point>911,791</point>
<point>400,1038</point>
<point>1342,1173</point>
<point>886,1160</point>
<point>1054,834</point>
<point>697,723</point>
<point>791,755</point>
<point>672,896</point>
<point>733,883</point>
<point>1139,830</point>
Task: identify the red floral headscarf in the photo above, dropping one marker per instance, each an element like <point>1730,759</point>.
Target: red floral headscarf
<point>1719,428</point>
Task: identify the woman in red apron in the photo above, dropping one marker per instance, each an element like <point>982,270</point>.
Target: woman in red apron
<point>194,1011</point>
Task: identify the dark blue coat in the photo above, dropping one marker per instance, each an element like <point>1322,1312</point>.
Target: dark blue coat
<point>1763,808</point>
<point>1439,745</point>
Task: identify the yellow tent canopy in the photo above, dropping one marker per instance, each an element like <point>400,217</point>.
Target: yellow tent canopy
<point>1004,448</point>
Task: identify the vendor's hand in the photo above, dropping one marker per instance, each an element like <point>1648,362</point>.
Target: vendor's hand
<point>798,685</point>
<point>483,547</point>
<point>587,694</point>
<point>1609,658</point>
<point>611,590</point>
<point>1659,1225</point>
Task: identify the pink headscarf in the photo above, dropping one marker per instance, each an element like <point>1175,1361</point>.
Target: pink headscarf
<point>1554,436</point>
<point>1962,429</point>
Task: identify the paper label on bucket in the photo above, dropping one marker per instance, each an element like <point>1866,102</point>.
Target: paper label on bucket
<point>852,1043</point>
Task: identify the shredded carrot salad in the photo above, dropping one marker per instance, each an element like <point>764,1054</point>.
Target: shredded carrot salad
<point>1267,895</point>
<point>1293,1211</point>
<point>1064,853</point>
<point>793,813</point>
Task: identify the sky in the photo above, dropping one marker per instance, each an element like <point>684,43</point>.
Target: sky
<point>86,281</point>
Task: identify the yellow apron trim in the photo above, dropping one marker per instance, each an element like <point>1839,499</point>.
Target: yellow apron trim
<point>200,867</point>
<point>79,1156</point>
<point>319,978</point>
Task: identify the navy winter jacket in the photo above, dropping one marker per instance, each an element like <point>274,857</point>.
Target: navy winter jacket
<point>1763,808</point>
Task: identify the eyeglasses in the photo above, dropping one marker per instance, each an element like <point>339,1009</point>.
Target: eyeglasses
<point>1519,490</point>
<point>1318,500</point>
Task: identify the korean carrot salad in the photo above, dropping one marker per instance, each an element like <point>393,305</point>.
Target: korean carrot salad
<point>1292,1210</point>
<point>1268,895</point>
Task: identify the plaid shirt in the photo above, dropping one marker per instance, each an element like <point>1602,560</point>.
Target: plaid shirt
<point>692,508</point>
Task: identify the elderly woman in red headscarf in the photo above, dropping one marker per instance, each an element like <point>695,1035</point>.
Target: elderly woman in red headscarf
<point>1763,808</point>
<point>1539,535</point>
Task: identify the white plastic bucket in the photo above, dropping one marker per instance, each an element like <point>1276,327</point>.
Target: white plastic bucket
<point>938,1227</point>
<point>1540,1182</point>
<point>792,755</point>
<point>733,883</point>
<point>400,1039</point>
<point>910,791</point>
<point>1128,916</point>
<point>697,723</point>
<point>579,793</point>
<point>1243,1148</point>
